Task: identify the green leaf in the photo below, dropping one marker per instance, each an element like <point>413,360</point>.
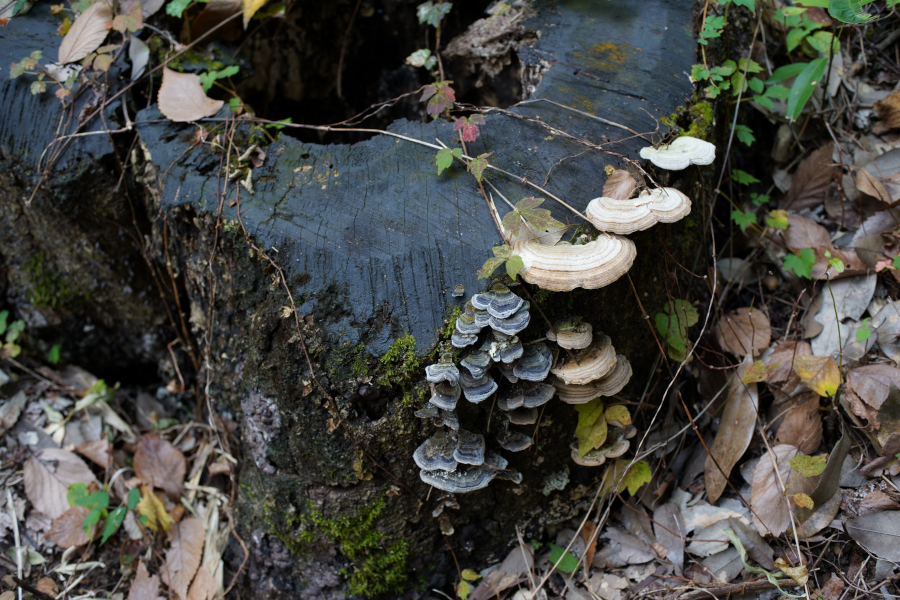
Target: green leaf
<point>743,219</point>
<point>804,85</point>
<point>778,91</point>
<point>809,466</point>
<point>513,266</point>
<point>777,219</point>
<point>444,158</point>
<point>431,14</point>
<point>824,42</point>
<point>176,8</point>
<point>134,496</point>
<point>743,177</point>
<point>589,412</point>
<point>235,102</point>
<point>744,133</point>
<point>849,11</point>
<point>759,199</point>
<point>591,436</point>
<point>77,494</point>
<point>795,37</point>
<point>863,334</point>
<point>749,4</point>
<point>53,353</point>
<point>463,590</point>
<point>674,321</point>
<point>699,73</point>
<point>897,262</point>
<point>477,166</point>
<point>490,265</point>
<point>539,218</point>
<point>569,561</point>
<point>785,72</point>
<point>4,315</point>
<point>501,251</point>
<point>801,265</point>
<point>639,474</point>
<point>113,522</point>
<point>470,575</point>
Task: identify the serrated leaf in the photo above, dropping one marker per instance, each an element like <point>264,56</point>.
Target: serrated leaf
<point>801,265</point>
<point>818,373</point>
<point>468,127</point>
<point>490,265</point>
<point>744,133</point>
<point>743,177</point>
<point>777,219</point>
<point>617,415</point>
<point>699,73</point>
<point>809,466</point>
<point>478,165</point>
<point>440,97</point>
<point>743,219</point>
<point>176,8</point>
<point>431,14</point>
<point>514,266</point>
<point>443,159</point>
<point>539,218</point>
<point>501,251</point>
<point>512,222</point>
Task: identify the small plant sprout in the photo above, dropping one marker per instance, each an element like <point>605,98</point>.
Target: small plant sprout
<point>422,58</point>
<point>743,219</point>
<point>835,263</point>
<point>801,264</point>
<point>464,589</point>
<point>777,219</point>
<point>501,255</point>
<point>209,78</point>
<point>673,322</point>
<point>440,97</point>
<point>444,158</point>
<point>865,330</point>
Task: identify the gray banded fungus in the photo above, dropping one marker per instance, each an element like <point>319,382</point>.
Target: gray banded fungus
<point>461,340</point>
<point>465,323</point>
<point>499,301</point>
<point>572,393</point>
<point>506,369</point>
<point>590,364</point>
<point>476,389</point>
<point>458,291</point>
<point>466,479</point>
<point>535,363</point>
<point>470,449</point>
<point>505,348</point>
<point>512,324</point>
<point>661,205</point>
<point>429,411</point>
<point>445,395</point>
<point>523,416</point>
<point>513,476</point>
<point>529,394</point>
<point>514,441</point>
<point>449,419</point>
<point>616,445</point>
<point>680,154</point>
<point>437,452</point>
<point>571,334</point>
<point>564,267</point>
<point>443,370</point>
<point>477,363</point>
<point>482,317</point>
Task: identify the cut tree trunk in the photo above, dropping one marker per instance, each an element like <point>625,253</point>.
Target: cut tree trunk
<point>371,242</point>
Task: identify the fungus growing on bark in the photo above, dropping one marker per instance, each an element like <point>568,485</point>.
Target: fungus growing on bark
<point>461,340</point>
<point>661,205</point>
<point>506,369</point>
<point>498,301</point>
<point>535,363</point>
<point>504,348</point>
<point>571,334</point>
<point>526,393</point>
<point>513,324</point>
<point>523,416</point>
<point>443,370</point>
<point>445,395</point>
<point>429,411</point>
<point>459,291</point>
<point>617,378</point>
<point>470,449</point>
<point>680,154</point>
<point>564,267</point>
<point>477,363</point>
<point>437,452</point>
<point>466,479</point>
<point>465,323</point>
<point>514,441</point>
<point>590,364</point>
<point>476,389</point>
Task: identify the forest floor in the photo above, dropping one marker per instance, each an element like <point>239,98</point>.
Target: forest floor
<point>784,478</point>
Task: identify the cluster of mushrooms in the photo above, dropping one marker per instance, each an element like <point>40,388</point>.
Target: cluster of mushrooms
<point>570,362</point>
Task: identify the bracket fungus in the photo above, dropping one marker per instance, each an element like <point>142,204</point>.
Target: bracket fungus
<point>529,394</point>
<point>476,389</point>
<point>523,416</point>
<point>465,323</point>
<point>437,452</point>
<point>571,334</point>
<point>513,324</point>
<point>445,395</point>
<point>466,479</point>
<point>514,441</point>
<point>617,378</point>
<point>443,370</point>
<point>505,348</point>
<point>461,340</point>
<point>616,445</point>
<point>660,205</point>
<point>590,364</point>
<point>535,363</point>
<point>564,267</point>
<point>680,154</point>
<point>499,301</point>
<point>470,449</point>
<point>477,363</point>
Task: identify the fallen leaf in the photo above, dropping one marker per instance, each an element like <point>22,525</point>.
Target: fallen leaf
<point>68,529</point>
<point>869,184</point>
<point>833,589</point>
<point>770,511</point>
<point>97,451</point>
<point>811,180</point>
<point>669,529</point>
<point>619,186</point>
<point>802,424</point>
<point>47,586</point>
<point>154,510</point>
<point>183,555</point>
<point>818,373</point>
<point>799,574</point>
<point>867,389</point>
<point>590,542</point>
<point>48,475</point>
<point>879,533</point>
<point>144,586</point>
<point>250,7</point>
<point>160,464</point>
<point>888,110</point>
<point>735,432</point>
<point>803,232</point>
<point>517,564</point>
<point>181,97</point>
<point>204,586</point>
<point>782,360</point>
<point>149,7</point>
<point>724,566</point>
<point>757,548</point>
<point>623,549</point>
<point>744,330</point>
<point>87,33</point>
<point>851,296</point>
<point>10,411</point>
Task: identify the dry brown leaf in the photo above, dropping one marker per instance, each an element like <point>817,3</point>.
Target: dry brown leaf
<point>619,186</point>
<point>87,33</point>
<point>183,556</point>
<point>781,360</point>
<point>8,595</point>
<point>888,110</point>
<point>10,411</point>
<point>97,451</point>
<point>160,464</point>
<point>744,330</point>
<point>204,586</point>
<point>68,530</point>
<point>802,424</point>
<point>852,264</point>
<point>803,232</point>
<point>144,586</point>
<point>215,12</point>
<point>770,510</point>
<point>590,541</point>
<point>48,475</point>
<point>834,589</point>
<point>868,388</point>
<point>818,373</point>
<point>811,181</point>
<point>181,97</point>
<point>869,184</point>
<point>735,432</point>
<point>47,586</point>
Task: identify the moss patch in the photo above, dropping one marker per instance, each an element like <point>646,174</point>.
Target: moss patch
<point>399,363</point>
<point>701,116</point>
<point>46,288</point>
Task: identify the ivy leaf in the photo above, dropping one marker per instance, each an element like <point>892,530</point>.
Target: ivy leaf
<point>490,265</point>
<point>431,14</point>
<point>743,177</point>
<point>801,265</point>
<point>440,97</point>
<point>131,21</point>
<point>468,127</point>
<point>808,466</point>
<point>444,157</point>
<point>478,165</point>
<point>744,133</point>
<point>569,561</point>
<point>743,219</point>
<point>539,218</point>
<point>674,321</point>
<point>513,266</point>
<point>699,73</point>
<point>777,219</point>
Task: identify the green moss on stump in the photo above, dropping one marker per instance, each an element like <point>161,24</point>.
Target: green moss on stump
<point>47,288</point>
<point>399,364</point>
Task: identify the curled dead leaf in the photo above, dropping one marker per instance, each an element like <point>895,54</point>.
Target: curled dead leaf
<point>620,185</point>
<point>181,97</point>
<point>818,373</point>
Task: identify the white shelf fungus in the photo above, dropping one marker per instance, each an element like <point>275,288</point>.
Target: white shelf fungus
<point>564,267</point>
<point>590,364</point>
<point>661,205</point>
<point>680,154</point>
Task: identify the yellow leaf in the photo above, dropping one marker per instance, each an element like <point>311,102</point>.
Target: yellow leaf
<point>591,436</point>
<point>799,574</point>
<point>470,575</point>
<point>250,7</point>
<point>152,507</point>
<point>463,590</point>
<point>618,415</point>
<point>803,500</point>
<point>818,373</point>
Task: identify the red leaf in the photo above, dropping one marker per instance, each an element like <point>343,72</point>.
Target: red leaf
<point>440,96</point>
<point>468,127</point>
